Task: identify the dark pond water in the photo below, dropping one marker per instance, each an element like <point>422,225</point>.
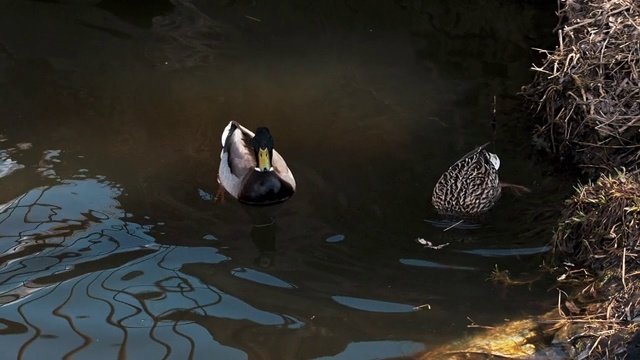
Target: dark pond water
<point>111,113</point>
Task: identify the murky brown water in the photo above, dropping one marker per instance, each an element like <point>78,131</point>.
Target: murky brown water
<point>110,120</point>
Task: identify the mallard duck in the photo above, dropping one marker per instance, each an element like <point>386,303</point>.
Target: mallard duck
<point>251,170</point>
<point>470,186</point>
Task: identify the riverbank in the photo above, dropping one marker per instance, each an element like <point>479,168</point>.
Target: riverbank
<point>585,98</point>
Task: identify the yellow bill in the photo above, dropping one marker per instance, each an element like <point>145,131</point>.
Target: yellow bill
<point>264,162</point>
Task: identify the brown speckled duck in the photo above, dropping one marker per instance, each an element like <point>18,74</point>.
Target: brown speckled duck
<point>470,186</point>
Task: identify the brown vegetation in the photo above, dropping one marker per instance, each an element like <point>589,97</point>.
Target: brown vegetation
<point>599,240</point>
<point>586,94</point>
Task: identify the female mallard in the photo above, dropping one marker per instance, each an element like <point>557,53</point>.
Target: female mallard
<point>470,186</point>
<point>250,169</point>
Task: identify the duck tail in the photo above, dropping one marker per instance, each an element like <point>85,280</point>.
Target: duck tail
<point>228,130</point>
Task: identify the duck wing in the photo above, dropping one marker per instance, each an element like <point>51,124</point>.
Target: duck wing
<point>281,168</point>
<point>470,154</point>
<point>237,149</point>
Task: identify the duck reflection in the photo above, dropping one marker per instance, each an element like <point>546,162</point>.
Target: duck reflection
<point>263,234</point>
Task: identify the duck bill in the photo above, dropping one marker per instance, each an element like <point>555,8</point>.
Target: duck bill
<point>264,161</point>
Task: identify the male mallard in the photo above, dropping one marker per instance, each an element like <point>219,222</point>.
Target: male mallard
<point>470,186</point>
<point>250,169</point>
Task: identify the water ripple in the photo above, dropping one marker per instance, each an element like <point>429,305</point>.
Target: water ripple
<point>507,252</point>
<point>261,278</point>
<point>372,305</point>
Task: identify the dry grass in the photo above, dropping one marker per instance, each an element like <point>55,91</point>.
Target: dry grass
<point>599,234</point>
<point>599,226</point>
<point>586,94</point>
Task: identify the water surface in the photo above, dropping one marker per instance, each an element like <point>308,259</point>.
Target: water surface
<point>110,136</point>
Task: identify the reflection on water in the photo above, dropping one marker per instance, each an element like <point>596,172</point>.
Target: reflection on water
<point>111,245</point>
<point>433,264</point>
<point>372,305</point>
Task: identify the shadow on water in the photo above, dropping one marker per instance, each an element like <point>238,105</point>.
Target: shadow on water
<point>111,245</point>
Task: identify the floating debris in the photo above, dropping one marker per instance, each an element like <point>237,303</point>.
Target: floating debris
<point>429,245</point>
<point>24,146</point>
